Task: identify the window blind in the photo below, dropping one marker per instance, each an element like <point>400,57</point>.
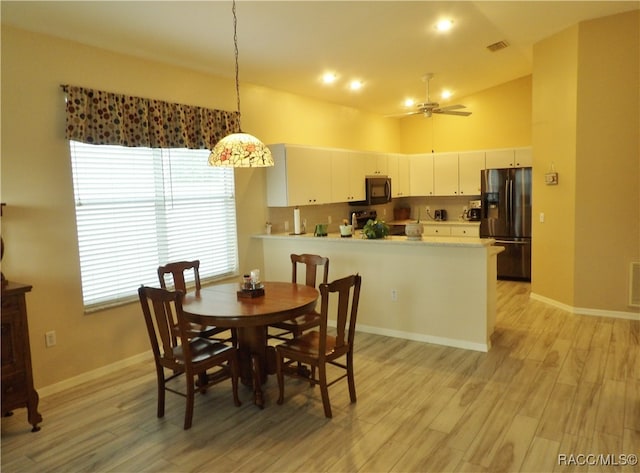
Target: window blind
<point>138,208</point>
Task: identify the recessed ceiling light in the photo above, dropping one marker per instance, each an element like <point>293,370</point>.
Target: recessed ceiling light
<point>444,25</point>
<point>446,94</point>
<point>355,85</point>
<point>409,103</point>
<point>329,77</point>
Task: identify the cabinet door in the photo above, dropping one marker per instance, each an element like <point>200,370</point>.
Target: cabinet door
<point>420,175</point>
<point>470,166</point>
<point>308,176</point>
<point>347,176</point>
<point>399,174</point>
<point>445,174</point>
<point>377,164</point>
<point>523,157</point>
<point>499,158</point>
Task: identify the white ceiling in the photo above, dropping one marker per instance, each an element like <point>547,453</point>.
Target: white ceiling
<point>287,45</point>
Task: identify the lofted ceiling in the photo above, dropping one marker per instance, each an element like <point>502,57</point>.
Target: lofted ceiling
<point>287,45</point>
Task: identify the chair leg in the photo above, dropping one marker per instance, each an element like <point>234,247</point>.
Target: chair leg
<point>161,391</point>
<point>280,375</point>
<point>188,414</point>
<point>351,377</point>
<point>234,380</point>
<point>324,391</point>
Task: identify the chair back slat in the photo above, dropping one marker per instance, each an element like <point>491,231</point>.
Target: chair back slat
<point>177,272</point>
<point>161,320</point>
<point>348,294</point>
<point>311,262</point>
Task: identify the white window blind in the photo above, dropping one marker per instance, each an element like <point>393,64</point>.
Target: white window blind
<point>138,208</point>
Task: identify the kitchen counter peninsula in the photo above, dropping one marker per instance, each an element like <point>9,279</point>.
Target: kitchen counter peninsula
<point>439,290</point>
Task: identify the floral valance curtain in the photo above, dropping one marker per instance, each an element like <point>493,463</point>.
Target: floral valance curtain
<point>105,118</point>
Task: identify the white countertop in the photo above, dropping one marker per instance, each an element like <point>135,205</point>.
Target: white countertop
<point>391,240</point>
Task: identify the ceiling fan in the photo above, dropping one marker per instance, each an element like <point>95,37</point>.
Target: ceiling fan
<point>428,108</point>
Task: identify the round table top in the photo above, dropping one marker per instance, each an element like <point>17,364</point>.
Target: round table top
<point>220,305</point>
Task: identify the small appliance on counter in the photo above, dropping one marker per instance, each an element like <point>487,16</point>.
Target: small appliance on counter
<point>440,215</point>
<point>474,214</point>
<point>359,218</point>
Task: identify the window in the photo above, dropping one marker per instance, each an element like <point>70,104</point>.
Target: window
<point>138,208</point>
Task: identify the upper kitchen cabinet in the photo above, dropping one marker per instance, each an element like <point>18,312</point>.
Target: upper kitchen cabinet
<point>300,176</point>
<point>399,174</point>
<point>347,176</point>
<point>420,175</point>
<point>470,166</point>
<point>445,172</point>
<point>377,164</point>
<point>509,158</point>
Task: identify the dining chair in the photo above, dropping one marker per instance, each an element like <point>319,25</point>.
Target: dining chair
<point>177,271</point>
<point>318,348</point>
<point>184,354</point>
<point>293,328</point>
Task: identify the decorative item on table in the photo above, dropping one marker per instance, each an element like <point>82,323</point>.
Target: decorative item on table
<point>267,228</point>
<point>321,230</point>
<point>414,230</point>
<point>346,229</point>
<point>375,229</point>
<point>251,285</point>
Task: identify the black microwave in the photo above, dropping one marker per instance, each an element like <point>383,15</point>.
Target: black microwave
<point>378,191</point>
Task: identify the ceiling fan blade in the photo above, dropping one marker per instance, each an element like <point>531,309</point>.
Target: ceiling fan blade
<point>452,107</point>
<point>452,112</point>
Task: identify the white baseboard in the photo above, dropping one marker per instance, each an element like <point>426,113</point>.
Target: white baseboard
<point>419,337</point>
<point>586,311</point>
<point>95,374</point>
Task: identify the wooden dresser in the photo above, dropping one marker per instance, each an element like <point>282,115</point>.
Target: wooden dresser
<point>17,378</point>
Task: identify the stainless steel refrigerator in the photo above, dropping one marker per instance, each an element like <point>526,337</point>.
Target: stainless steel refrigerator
<point>506,216</point>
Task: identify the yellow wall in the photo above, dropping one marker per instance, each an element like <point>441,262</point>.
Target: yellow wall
<point>586,122</point>
<point>554,128</point>
<point>39,220</point>
<point>500,118</point>
<point>608,160</point>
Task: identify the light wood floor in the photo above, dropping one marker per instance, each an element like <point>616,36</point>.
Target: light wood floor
<point>553,384</point>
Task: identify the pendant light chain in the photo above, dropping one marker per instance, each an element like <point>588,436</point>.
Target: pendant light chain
<point>235,44</point>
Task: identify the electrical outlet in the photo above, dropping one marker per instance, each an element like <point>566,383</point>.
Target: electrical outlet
<point>50,338</point>
<point>329,219</point>
<point>394,295</point>
<point>286,226</point>
<point>541,217</point>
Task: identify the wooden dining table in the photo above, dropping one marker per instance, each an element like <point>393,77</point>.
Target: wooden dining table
<point>220,305</point>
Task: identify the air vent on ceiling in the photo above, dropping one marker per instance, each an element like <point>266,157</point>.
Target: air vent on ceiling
<point>497,46</point>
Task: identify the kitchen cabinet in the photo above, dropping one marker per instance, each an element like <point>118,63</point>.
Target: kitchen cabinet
<point>509,158</point>
<point>470,166</point>
<point>376,164</point>
<point>399,174</point>
<point>457,173</point>
<point>453,229</point>
<point>420,175</point>
<point>445,174</point>
<point>300,176</point>
<point>347,176</point>
<point>17,378</point>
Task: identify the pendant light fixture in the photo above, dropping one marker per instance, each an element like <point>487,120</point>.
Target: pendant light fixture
<point>240,150</point>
